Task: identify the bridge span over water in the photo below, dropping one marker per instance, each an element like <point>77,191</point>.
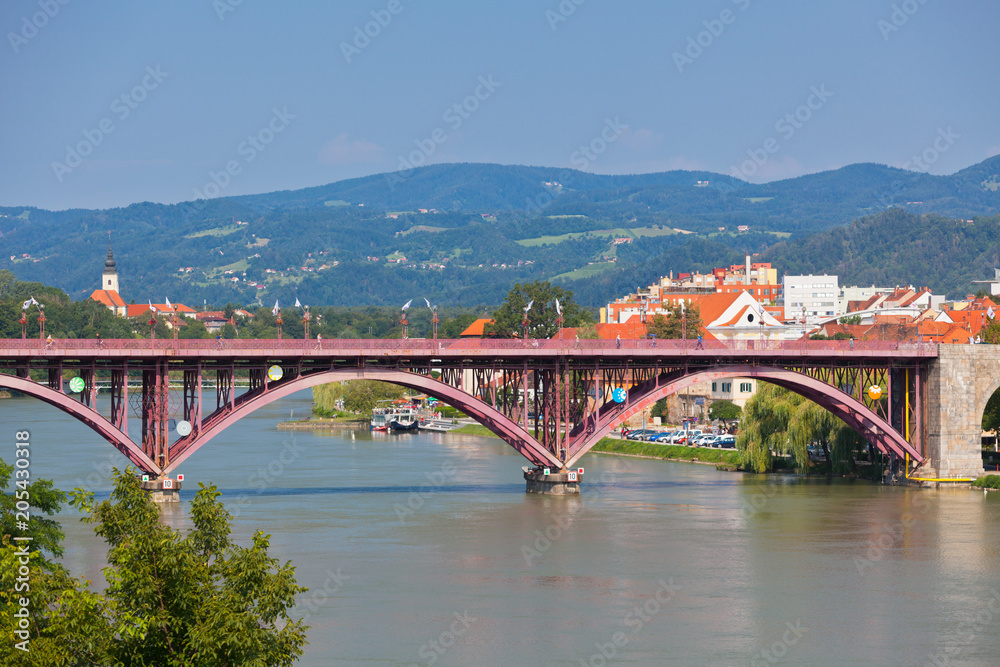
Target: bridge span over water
<point>929,413</point>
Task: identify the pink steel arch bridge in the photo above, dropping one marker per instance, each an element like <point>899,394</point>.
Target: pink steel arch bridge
<point>551,400</point>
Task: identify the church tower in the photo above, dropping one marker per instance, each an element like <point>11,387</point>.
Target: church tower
<point>109,282</point>
<point>107,294</point>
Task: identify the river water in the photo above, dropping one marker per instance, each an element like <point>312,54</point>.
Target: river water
<point>424,549</point>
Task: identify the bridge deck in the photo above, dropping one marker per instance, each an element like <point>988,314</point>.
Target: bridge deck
<point>474,348</point>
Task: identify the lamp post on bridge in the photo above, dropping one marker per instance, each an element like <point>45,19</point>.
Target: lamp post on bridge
<point>305,322</point>
<point>684,323</point>
<point>41,322</point>
<point>525,322</point>
<point>404,323</point>
<point>24,325</point>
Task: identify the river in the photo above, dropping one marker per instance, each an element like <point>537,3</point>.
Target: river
<point>424,549</point>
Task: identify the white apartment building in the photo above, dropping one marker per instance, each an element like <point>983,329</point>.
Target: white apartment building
<point>812,298</point>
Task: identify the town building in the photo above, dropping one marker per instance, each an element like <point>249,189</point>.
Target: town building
<point>810,299</point>
<point>994,284</point>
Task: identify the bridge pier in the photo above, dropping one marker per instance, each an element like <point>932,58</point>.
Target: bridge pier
<point>554,484</point>
<point>959,384</point>
<point>154,488</point>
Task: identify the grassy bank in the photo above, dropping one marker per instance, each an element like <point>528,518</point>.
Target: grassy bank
<point>636,448</point>
<point>475,429</point>
<point>677,452</point>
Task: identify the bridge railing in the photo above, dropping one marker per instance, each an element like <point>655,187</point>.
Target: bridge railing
<point>417,345</point>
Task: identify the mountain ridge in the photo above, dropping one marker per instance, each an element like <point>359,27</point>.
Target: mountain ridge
<point>485,227</point>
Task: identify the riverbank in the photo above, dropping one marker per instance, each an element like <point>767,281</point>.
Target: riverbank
<point>321,424</point>
<point>646,450</point>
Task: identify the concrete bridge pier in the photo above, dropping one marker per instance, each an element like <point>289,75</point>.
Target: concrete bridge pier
<point>959,384</point>
<point>556,483</point>
<point>159,494</point>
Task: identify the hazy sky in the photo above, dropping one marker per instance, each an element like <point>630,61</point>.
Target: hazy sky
<point>113,102</point>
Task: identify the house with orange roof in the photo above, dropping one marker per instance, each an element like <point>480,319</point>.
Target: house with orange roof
<point>739,316</point>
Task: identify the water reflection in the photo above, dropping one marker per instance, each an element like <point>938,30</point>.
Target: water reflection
<point>872,574</point>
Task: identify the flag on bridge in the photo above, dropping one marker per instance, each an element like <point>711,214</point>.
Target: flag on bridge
<point>168,304</point>
<point>274,311</point>
<point>297,304</point>
<point>990,314</point>
<point>152,308</point>
<point>26,305</point>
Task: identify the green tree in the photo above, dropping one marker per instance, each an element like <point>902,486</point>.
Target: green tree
<point>194,600</point>
<point>229,331</point>
<point>193,329</point>
<point>360,396</point>
<point>724,410</point>
<point>778,420</point>
<point>661,410</point>
<point>991,416</point>
<point>677,324</point>
<point>66,624</point>
<point>811,424</point>
<point>764,428</point>
<point>43,501</point>
<point>850,319</point>
<point>991,332</point>
<point>542,296</point>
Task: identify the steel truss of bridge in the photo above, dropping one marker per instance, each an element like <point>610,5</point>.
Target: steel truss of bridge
<point>551,400</point>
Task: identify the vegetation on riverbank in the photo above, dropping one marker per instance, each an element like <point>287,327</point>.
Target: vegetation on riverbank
<point>675,452</point>
<point>987,482</point>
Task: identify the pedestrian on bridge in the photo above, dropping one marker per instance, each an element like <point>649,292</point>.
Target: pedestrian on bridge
<point>618,341</point>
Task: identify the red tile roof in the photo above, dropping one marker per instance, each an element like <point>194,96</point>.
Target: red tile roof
<point>476,328</point>
<point>109,298</point>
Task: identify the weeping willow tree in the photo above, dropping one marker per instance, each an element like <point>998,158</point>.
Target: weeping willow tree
<point>778,420</point>
<point>765,426</point>
<point>359,396</point>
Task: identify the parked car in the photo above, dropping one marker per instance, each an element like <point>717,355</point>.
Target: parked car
<point>707,440</point>
<point>663,437</point>
<point>726,442</point>
<point>685,438</point>
<point>640,434</point>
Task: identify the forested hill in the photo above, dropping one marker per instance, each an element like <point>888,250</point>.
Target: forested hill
<point>479,187</point>
<point>700,201</point>
<point>464,234</point>
<point>899,248</point>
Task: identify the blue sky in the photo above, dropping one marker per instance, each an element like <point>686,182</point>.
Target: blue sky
<point>163,97</point>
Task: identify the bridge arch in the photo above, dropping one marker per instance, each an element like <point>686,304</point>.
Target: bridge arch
<point>855,413</point>
<point>852,411</point>
<point>85,414</point>
<point>504,427</point>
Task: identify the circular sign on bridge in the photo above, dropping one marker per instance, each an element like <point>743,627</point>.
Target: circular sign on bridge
<point>619,395</point>
<point>874,392</point>
<point>183,428</point>
<point>76,385</point>
<point>274,373</point>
